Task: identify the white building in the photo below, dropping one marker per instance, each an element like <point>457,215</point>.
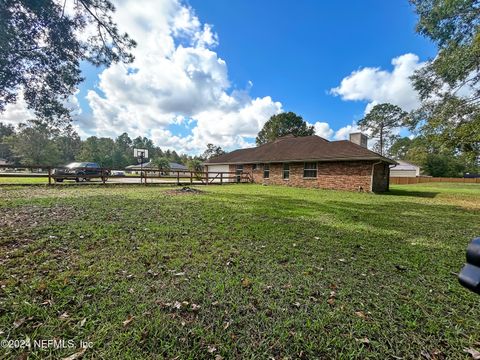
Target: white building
<point>404,169</point>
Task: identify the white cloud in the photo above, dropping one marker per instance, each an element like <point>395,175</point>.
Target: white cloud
<point>323,129</point>
<point>344,132</point>
<point>379,86</point>
<point>178,79</point>
<point>18,112</point>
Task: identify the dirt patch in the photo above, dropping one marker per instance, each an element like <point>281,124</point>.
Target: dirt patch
<point>31,216</point>
<point>184,191</point>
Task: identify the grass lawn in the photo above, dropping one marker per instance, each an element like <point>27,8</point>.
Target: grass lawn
<point>24,180</point>
<point>239,271</point>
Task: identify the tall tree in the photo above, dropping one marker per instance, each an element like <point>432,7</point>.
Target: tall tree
<point>34,144</point>
<point>5,148</point>
<point>99,150</point>
<point>69,144</point>
<point>123,152</point>
<point>42,44</point>
<point>212,151</point>
<point>399,148</point>
<point>449,85</point>
<point>380,123</point>
<point>279,125</point>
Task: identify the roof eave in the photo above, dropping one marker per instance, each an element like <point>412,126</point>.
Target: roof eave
<point>377,158</point>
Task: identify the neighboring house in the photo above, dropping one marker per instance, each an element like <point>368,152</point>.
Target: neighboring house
<point>404,169</point>
<point>310,161</point>
<point>3,162</point>
<point>174,167</point>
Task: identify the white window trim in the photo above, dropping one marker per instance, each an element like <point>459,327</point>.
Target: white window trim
<point>316,170</point>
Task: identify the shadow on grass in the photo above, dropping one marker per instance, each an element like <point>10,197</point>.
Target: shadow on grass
<point>413,193</point>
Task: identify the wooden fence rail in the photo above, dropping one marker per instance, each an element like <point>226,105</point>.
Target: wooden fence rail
<point>146,176</point>
<point>421,179</point>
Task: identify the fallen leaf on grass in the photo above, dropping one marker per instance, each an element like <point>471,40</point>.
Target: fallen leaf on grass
<point>432,355</point>
<point>18,323</point>
<point>226,325</point>
<point>47,302</point>
<point>64,316</point>
<point>331,299</point>
<point>426,354</point>
<point>177,305</point>
<point>361,314</point>
<point>246,282</point>
<point>211,349</point>
<point>296,304</point>
<point>128,321</point>
<point>77,355</point>
<point>179,274</point>
<point>363,340</point>
<point>83,322</point>
<point>218,357</point>
<point>474,353</point>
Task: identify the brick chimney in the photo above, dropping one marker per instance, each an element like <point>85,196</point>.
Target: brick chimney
<point>359,139</point>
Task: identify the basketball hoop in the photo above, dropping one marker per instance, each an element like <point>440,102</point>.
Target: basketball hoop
<point>141,155</point>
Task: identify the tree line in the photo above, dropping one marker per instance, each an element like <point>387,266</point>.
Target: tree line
<point>38,143</point>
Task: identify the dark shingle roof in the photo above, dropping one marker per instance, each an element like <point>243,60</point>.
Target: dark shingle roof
<point>291,148</point>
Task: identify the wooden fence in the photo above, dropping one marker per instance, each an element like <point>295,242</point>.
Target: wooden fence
<point>148,176</point>
<point>421,179</point>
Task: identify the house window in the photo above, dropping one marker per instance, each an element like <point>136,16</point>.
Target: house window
<point>310,170</point>
<point>254,167</point>
<point>266,171</point>
<point>286,171</point>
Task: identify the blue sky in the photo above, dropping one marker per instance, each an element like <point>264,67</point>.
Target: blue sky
<point>215,70</point>
<point>296,51</point>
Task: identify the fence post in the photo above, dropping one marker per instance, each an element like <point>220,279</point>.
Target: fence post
<point>49,175</point>
<point>178,177</point>
<point>206,177</point>
<point>191,178</point>
<point>221,178</point>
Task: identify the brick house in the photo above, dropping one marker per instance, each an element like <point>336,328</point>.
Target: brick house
<point>310,161</point>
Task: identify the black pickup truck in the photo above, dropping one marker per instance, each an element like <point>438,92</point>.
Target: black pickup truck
<point>80,171</point>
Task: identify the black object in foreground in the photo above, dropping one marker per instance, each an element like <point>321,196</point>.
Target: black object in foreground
<point>470,274</point>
